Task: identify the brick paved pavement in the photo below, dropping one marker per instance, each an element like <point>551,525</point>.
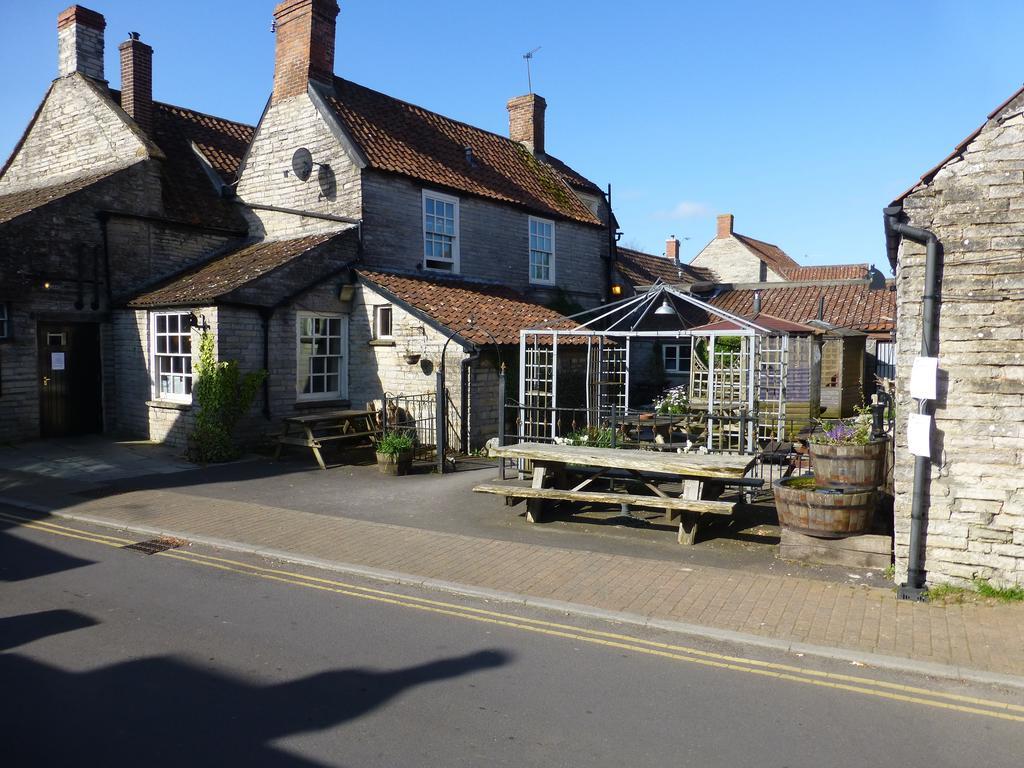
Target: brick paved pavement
<point>790,609</point>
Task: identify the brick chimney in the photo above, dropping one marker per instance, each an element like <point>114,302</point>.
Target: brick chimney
<point>80,42</point>
<point>305,45</point>
<point>725,225</point>
<point>672,248</point>
<point>526,121</point>
<point>137,80</point>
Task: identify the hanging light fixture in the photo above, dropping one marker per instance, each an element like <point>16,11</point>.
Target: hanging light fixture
<point>665,308</point>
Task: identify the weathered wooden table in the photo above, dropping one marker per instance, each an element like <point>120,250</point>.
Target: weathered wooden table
<point>697,473</point>
<point>312,430</point>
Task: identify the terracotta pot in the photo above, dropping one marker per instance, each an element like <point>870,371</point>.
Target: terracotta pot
<point>858,465</point>
<point>830,512</point>
<point>395,463</point>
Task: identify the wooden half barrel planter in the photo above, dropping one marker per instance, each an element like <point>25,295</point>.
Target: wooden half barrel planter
<point>850,465</point>
<point>829,512</point>
<point>395,463</point>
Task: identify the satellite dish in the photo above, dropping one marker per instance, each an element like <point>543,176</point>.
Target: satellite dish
<point>302,163</point>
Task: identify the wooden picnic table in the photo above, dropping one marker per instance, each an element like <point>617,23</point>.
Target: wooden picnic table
<point>698,474</point>
<point>312,430</point>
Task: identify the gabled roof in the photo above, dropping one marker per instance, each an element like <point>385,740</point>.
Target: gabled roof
<point>234,270</point>
<point>452,303</point>
<point>402,138</point>
<point>766,321</point>
<point>641,268</point>
<point>776,258</point>
<point>847,306</point>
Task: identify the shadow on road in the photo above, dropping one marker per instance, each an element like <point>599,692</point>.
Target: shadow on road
<point>21,559</point>
<point>28,627</point>
<point>166,711</point>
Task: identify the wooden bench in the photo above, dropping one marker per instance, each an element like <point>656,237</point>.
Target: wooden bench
<point>316,429</point>
<point>701,478</point>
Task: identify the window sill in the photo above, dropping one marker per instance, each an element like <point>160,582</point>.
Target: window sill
<point>311,405</point>
<point>169,405</point>
<point>382,342</point>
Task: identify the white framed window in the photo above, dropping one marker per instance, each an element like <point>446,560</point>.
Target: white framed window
<point>440,232</point>
<point>5,321</point>
<point>383,322</point>
<point>172,356</point>
<point>542,251</point>
<point>322,356</point>
<point>676,358</point>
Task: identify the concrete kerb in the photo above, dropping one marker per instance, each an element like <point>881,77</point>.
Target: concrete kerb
<point>879,661</point>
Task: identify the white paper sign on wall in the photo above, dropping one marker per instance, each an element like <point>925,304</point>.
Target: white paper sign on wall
<point>56,361</point>
<point>919,435</point>
<point>923,378</point>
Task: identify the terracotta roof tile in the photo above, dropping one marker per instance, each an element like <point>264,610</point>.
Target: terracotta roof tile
<point>769,322</point>
<point>228,272</point>
<point>828,272</point>
<point>494,308</point>
<point>641,268</point>
<point>402,138</point>
<point>848,306</point>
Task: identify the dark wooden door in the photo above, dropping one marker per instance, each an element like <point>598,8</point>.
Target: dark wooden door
<point>70,386</point>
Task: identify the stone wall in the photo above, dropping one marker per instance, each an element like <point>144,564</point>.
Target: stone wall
<point>267,177</point>
<point>733,262</point>
<point>493,241</point>
<point>78,132</point>
<point>975,205</point>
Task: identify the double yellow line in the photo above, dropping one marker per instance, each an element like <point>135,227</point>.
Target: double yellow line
<point>840,682</point>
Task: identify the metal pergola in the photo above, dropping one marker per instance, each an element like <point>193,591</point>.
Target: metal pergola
<point>750,380</point>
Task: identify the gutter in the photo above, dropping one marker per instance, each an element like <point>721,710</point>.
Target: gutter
<point>914,588</point>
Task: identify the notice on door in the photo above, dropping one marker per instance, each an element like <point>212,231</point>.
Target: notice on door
<point>57,361</point>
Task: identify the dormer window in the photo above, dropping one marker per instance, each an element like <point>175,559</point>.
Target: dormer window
<point>440,232</point>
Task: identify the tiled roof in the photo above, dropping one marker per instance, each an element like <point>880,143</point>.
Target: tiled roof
<point>18,203</point>
<point>641,268</point>
<point>847,306</point>
<point>828,272</point>
<point>189,194</point>
<point>776,258</point>
<point>451,303</point>
<point>769,322</point>
<point>573,177</point>
<point>228,272</point>
<point>402,138</point>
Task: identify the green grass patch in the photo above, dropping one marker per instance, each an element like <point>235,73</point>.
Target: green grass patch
<point>983,591</point>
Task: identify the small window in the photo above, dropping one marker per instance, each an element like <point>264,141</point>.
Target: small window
<point>440,232</point>
<point>172,357</point>
<point>676,358</point>
<point>320,373</point>
<point>382,322</point>
<point>542,251</point>
<point>5,321</point>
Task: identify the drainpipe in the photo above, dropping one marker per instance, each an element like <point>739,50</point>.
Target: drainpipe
<point>464,365</point>
<point>914,589</point>
<point>266,313</point>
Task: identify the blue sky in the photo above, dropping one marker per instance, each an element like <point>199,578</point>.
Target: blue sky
<point>801,118</point>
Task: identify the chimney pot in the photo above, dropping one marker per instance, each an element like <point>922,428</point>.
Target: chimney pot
<point>725,223</point>
<point>80,42</point>
<point>137,81</point>
<point>526,121</point>
<point>304,50</point>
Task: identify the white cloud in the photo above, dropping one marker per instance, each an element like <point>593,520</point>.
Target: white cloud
<point>687,209</point>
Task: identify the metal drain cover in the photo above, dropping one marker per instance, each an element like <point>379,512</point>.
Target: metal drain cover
<point>153,546</point>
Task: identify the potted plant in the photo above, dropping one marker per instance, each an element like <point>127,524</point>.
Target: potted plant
<point>394,453</point>
<point>844,453</point>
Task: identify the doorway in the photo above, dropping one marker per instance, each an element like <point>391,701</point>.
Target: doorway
<point>70,379</point>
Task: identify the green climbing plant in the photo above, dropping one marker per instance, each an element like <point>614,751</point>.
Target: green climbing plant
<point>224,395</point>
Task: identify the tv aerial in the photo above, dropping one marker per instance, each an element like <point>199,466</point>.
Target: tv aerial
<point>529,57</point>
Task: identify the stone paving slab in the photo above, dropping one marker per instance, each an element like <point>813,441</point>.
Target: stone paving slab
<point>859,619</point>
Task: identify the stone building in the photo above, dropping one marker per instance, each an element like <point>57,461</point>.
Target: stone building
<point>344,235</point>
<point>973,501</point>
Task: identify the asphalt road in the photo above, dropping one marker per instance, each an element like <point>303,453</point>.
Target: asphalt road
<point>113,657</point>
